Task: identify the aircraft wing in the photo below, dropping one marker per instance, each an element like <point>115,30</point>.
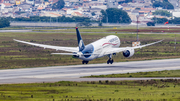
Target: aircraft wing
<point>121,49</point>
<point>68,49</point>
<point>147,44</point>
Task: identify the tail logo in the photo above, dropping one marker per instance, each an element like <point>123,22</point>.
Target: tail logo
<point>80,44</point>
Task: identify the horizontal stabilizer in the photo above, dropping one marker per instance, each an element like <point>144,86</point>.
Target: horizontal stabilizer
<point>73,54</point>
<point>63,53</point>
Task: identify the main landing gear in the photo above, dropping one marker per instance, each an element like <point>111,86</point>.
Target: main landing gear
<point>85,62</point>
<point>110,59</point>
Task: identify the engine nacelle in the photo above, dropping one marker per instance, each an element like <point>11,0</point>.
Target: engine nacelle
<point>128,53</point>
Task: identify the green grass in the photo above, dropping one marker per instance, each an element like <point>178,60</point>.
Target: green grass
<point>165,73</point>
<point>86,29</point>
<point>154,90</point>
<point>4,46</point>
<point>114,29</point>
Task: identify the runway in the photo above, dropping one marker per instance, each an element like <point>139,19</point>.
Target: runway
<point>73,73</point>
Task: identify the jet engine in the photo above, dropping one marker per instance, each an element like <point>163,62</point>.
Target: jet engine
<point>128,53</point>
<point>77,54</point>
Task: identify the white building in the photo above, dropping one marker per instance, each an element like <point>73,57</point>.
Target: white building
<point>30,1</point>
<point>98,0</point>
<point>176,14</point>
<point>3,5</point>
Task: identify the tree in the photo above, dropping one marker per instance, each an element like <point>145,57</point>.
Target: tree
<point>162,13</point>
<point>165,4</point>
<point>58,5</point>
<point>160,20</point>
<point>165,1</point>
<point>104,16</point>
<point>4,22</point>
<point>126,1</point>
<point>137,8</point>
<point>157,4</point>
<point>93,14</point>
<point>100,24</point>
<point>150,24</point>
<point>175,20</point>
<point>115,15</point>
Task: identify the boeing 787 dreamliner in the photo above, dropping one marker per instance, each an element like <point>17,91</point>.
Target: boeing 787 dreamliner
<point>106,46</point>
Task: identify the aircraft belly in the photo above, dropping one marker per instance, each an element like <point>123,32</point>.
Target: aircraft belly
<point>94,55</point>
<point>89,58</point>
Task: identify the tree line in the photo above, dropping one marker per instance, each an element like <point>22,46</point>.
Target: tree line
<point>125,1</point>
<point>162,13</point>
<point>52,19</point>
<point>176,20</point>
<point>165,4</point>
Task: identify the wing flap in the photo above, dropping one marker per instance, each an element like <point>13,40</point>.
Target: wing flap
<point>68,49</point>
<point>115,50</point>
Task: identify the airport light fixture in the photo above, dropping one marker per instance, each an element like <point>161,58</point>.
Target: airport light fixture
<point>175,42</point>
<point>137,16</point>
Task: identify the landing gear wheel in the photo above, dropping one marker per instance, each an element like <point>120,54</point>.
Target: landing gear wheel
<point>110,61</point>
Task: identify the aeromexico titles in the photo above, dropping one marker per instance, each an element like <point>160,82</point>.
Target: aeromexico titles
<point>106,46</point>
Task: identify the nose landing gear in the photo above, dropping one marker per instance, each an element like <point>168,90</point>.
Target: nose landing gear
<point>110,59</point>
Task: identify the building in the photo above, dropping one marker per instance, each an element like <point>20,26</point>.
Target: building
<point>112,4</point>
<point>175,14</point>
<point>3,5</point>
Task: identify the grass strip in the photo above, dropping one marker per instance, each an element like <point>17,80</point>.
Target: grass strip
<point>141,90</point>
<point>164,73</point>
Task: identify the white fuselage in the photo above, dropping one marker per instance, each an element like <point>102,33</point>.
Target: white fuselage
<point>99,47</point>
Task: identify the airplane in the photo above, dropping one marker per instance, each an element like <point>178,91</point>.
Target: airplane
<point>106,46</point>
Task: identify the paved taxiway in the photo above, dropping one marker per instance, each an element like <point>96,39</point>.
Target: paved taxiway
<point>20,30</point>
<point>73,73</point>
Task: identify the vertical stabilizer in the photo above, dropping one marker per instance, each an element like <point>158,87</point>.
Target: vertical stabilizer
<point>80,41</point>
